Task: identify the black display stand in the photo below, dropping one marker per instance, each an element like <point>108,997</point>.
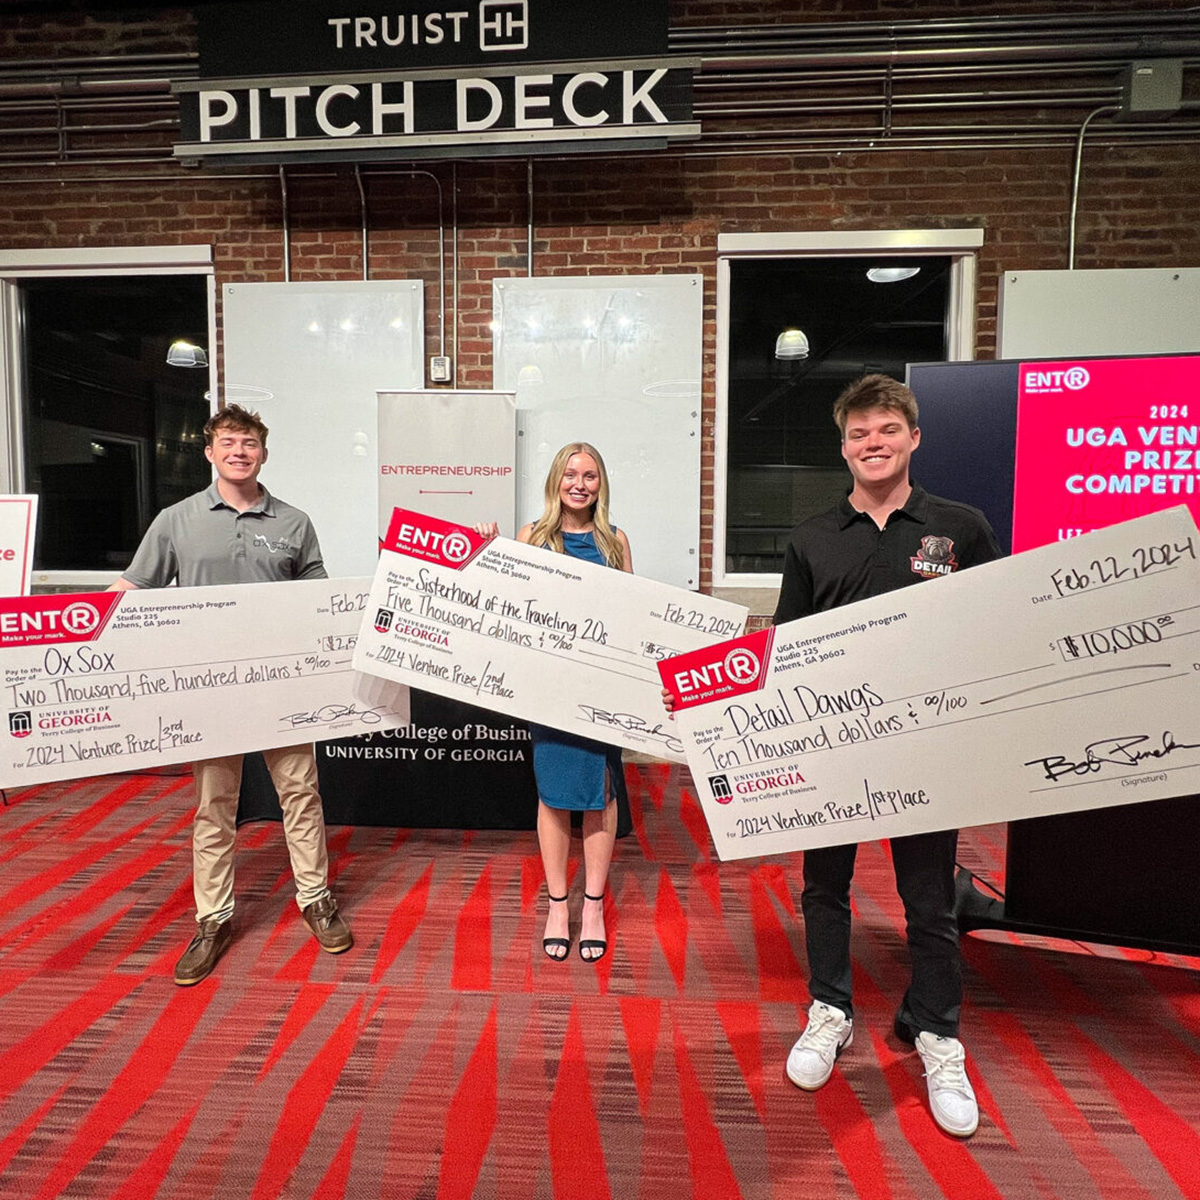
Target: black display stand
<point>1123,876</point>
<point>476,773</point>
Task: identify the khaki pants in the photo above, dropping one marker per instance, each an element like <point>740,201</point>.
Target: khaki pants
<point>294,772</point>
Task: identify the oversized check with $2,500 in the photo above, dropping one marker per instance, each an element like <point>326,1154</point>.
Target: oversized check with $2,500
<point>1064,678</point>
<point>532,634</point>
<point>120,681</point>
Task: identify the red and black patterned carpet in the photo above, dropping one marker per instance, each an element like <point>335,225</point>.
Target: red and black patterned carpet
<point>445,1056</point>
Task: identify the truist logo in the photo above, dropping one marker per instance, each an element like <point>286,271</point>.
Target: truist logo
<point>431,539</point>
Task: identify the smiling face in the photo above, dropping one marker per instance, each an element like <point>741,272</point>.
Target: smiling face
<point>877,445</point>
<point>579,486</point>
<point>237,454</point>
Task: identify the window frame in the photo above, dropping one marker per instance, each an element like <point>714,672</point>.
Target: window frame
<point>18,265</point>
<point>960,245</point>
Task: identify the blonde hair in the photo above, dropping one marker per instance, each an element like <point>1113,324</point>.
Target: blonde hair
<point>547,529</point>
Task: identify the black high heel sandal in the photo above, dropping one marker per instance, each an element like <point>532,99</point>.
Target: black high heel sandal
<point>593,943</point>
<point>556,943</point>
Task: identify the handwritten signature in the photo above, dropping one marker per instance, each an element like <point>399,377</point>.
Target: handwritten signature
<point>1125,751</point>
<point>633,723</point>
<point>329,713</point>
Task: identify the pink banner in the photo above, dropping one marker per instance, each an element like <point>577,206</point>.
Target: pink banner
<point>1103,441</point>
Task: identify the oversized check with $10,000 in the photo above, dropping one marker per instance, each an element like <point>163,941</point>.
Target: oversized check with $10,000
<point>530,633</point>
<point>119,681</point>
<point>1064,678</point>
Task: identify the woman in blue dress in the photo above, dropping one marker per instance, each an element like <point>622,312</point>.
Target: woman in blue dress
<point>576,774</point>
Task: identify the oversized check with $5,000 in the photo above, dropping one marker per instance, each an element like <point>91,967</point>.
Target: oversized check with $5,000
<point>1063,678</point>
<point>533,634</point>
<point>119,681</point>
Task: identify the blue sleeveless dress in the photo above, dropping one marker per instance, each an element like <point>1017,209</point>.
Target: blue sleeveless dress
<point>570,770</point>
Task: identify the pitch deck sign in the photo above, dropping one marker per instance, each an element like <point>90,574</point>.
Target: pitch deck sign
<point>318,81</point>
<point>116,681</point>
<point>523,631</point>
<point>1061,679</point>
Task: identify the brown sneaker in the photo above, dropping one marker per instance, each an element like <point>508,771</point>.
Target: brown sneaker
<point>321,916</point>
<point>211,941</point>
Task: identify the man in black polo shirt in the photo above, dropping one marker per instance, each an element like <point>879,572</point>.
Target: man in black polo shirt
<point>887,533</point>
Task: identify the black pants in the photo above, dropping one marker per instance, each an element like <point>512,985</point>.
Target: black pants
<point>924,865</point>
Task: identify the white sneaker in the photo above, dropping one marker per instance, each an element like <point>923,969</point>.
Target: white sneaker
<point>828,1032</point>
<point>951,1096</point>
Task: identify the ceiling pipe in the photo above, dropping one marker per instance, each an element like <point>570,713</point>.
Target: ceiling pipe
<point>1107,110</point>
<point>362,206</point>
<point>287,227</point>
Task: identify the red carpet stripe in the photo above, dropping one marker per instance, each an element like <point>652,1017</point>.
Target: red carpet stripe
<point>712,1176</point>
<point>577,1166</point>
<point>1170,1139</point>
<point>949,1162</point>
<point>405,919</point>
<point>97,813</point>
<point>692,816</point>
<point>470,1119</point>
<point>1025,1063</point>
<point>708,876</point>
<point>300,1011</point>
<point>140,1078</point>
<point>670,926</point>
<point>148,1178</point>
<point>640,1016</point>
<point>472,969</point>
<point>73,954</point>
<point>743,1033</point>
<point>304,1105</point>
<point>114,881</point>
<point>779,975</point>
<point>334,1182</point>
<point>853,1137</point>
<point>12,1142</point>
<point>31,1054</point>
<point>30,889</point>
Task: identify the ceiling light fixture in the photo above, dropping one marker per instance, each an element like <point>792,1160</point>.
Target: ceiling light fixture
<point>891,274</point>
<point>185,354</point>
<point>791,343</point>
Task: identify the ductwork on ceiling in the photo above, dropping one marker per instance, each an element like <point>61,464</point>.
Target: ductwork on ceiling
<point>969,83</point>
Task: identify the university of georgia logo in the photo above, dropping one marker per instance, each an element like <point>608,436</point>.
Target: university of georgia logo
<point>936,557</point>
<point>722,793</point>
<point>20,724</point>
<point>383,620</point>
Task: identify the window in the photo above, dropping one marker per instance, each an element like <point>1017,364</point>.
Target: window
<point>799,318</point>
<point>100,425</point>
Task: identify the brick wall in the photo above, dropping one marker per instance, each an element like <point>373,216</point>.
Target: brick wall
<point>626,216</point>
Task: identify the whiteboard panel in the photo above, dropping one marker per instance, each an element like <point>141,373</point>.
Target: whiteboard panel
<point>1057,314</point>
<point>310,357</point>
<point>615,361</point>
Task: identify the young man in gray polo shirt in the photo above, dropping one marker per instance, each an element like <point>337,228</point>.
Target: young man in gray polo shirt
<point>235,531</point>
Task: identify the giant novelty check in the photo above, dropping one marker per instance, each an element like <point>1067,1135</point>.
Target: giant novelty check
<point>118,681</point>
<point>1064,678</point>
<point>532,634</point>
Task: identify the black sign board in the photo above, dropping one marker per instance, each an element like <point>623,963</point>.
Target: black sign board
<point>350,117</point>
<point>303,37</point>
